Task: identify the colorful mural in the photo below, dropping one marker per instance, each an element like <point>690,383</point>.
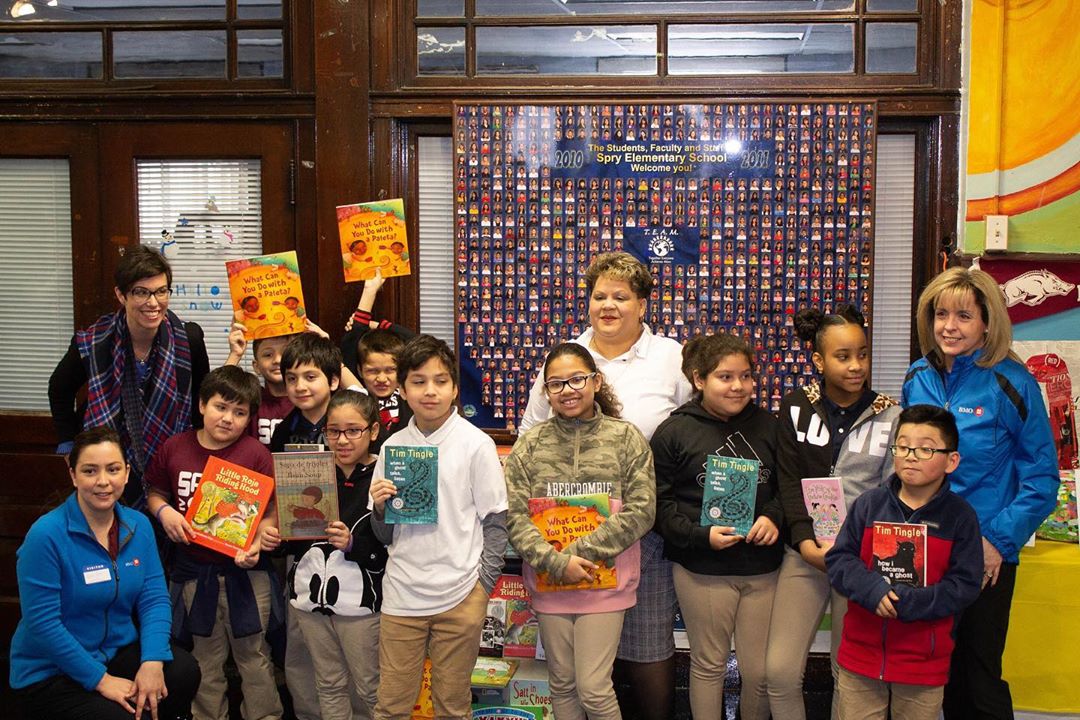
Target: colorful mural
<point>1023,155</point>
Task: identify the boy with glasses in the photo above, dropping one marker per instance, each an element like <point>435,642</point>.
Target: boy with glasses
<point>898,638</point>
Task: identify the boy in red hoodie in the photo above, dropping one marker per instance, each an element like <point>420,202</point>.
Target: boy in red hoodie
<point>898,637</point>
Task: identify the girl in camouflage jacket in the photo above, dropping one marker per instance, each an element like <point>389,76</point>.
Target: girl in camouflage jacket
<point>584,449</point>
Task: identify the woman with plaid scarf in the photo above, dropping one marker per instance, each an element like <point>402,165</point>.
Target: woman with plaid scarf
<point>141,367</point>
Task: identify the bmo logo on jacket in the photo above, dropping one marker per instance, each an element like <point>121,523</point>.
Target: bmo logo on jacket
<point>976,411</point>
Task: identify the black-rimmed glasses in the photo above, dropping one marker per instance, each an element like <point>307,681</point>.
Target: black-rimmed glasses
<point>920,453</point>
<point>577,382</point>
<point>142,294</point>
<point>350,433</point>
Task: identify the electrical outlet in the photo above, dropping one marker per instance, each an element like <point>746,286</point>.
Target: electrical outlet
<point>997,233</point>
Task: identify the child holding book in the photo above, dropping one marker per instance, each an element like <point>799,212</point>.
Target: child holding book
<point>584,449</point>
<point>725,582</point>
<point>311,368</point>
<point>898,637</point>
<point>838,427</point>
<point>226,602</point>
<point>335,587</point>
<point>370,349</point>
<point>274,403</point>
<point>439,575</point>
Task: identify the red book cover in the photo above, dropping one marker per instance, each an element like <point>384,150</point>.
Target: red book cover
<point>522,626</point>
<point>228,505</point>
<point>900,553</point>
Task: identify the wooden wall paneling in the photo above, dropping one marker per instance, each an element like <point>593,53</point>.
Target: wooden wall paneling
<point>342,156</point>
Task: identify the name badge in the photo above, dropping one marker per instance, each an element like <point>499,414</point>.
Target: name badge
<point>94,576</point>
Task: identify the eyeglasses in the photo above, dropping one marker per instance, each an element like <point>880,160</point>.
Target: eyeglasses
<point>143,295</point>
<point>920,453</point>
<point>350,433</point>
<point>577,382</point>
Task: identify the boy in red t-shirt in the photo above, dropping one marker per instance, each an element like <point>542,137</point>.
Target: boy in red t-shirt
<point>226,601</point>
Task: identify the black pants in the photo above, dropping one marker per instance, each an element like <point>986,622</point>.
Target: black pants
<point>61,698</point>
<point>976,689</point>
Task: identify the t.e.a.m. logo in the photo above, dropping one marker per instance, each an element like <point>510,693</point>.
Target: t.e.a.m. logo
<point>976,411</point>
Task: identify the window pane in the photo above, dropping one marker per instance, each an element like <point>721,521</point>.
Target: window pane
<point>892,5</point>
<point>174,54</point>
<point>436,246</point>
<point>259,53</point>
<point>754,49</point>
<point>121,10</point>
<point>525,8</point>
<point>68,55</point>
<point>582,50</point>
<point>36,299</point>
<point>890,47</point>
<point>258,9</point>
<point>440,8</point>
<point>202,213</point>
<point>440,51</point>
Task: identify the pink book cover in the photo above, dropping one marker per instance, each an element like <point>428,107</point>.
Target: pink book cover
<point>824,500</point>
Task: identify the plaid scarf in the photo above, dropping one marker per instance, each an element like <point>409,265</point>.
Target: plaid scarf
<point>144,419</point>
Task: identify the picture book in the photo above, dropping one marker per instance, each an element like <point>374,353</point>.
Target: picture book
<point>307,498</point>
<point>493,672</point>
<point>266,295</point>
<point>502,712</point>
<point>424,707</point>
<point>372,236</point>
<point>730,493</point>
<point>493,631</point>
<point>415,473</point>
<point>824,500</point>
<point>899,553</point>
<point>522,627</point>
<point>227,506</point>
<point>564,520</point>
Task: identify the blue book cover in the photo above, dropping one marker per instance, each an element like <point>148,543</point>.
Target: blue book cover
<point>415,473</point>
<point>730,493</point>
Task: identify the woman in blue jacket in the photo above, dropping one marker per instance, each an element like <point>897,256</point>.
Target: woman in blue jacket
<point>1009,468</point>
<point>87,572</point>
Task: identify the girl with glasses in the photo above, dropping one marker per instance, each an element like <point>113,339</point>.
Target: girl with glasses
<point>584,449</point>
<point>336,584</point>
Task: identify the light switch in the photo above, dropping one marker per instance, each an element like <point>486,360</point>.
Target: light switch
<point>997,233</point>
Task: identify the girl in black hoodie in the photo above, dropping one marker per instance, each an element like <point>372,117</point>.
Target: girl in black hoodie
<point>725,582</point>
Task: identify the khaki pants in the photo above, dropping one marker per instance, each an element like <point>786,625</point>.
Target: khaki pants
<point>299,668</point>
<point>251,655</point>
<point>451,639</point>
<point>802,594</point>
<point>714,607</point>
<point>344,653</point>
<point>864,698</point>
<point>580,653</point>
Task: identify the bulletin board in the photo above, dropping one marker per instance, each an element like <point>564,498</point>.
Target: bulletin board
<point>745,213</point>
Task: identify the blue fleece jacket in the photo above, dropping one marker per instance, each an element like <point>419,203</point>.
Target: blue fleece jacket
<point>77,603</point>
<point>1008,466</point>
<point>916,647</point>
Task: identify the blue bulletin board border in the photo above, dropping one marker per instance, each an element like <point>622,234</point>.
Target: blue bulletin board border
<point>745,213</point>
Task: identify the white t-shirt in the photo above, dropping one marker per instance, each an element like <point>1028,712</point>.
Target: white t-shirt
<point>432,568</point>
<point>647,379</point>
